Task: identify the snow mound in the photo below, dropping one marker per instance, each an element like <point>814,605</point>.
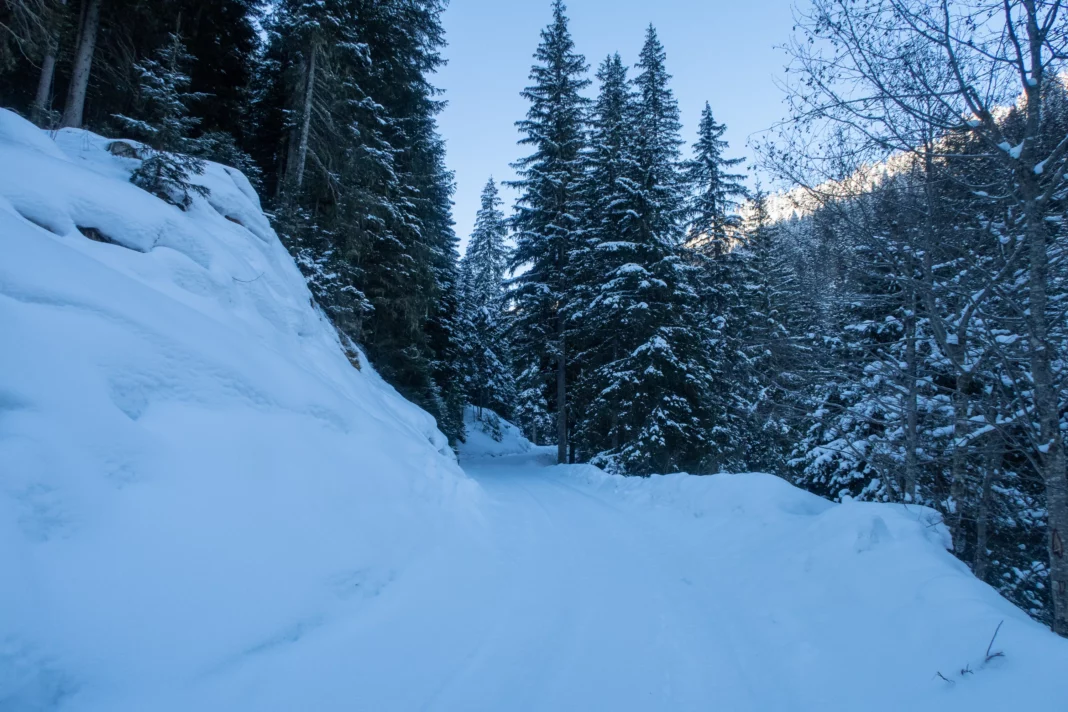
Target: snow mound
<point>192,472</point>
<point>489,435</point>
<point>830,601</point>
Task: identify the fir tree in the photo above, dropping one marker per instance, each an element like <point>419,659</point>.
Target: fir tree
<point>608,241</point>
<point>712,220</point>
<point>485,263</point>
<point>771,340</point>
<point>650,383</point>
<point>165,125</point>
<point>712,229</point>
<point>364,192</point>
<point>490,383</point>
<point>548,215</point>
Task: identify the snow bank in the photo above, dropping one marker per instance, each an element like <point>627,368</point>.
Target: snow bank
<point>489,435</point>
<point>846,606</point>
<point>192,473</point>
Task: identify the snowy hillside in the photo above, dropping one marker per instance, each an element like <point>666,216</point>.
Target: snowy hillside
<point>191,470</point>
<point>489,435</point>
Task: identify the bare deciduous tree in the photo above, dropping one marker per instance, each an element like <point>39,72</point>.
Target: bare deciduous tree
<point>903,77</point>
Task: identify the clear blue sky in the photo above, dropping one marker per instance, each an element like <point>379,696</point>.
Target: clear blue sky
<point>722,51</point>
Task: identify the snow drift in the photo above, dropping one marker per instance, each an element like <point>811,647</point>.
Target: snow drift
<point>487,434</point>
<point>808,604</point>
<point>191,470</point>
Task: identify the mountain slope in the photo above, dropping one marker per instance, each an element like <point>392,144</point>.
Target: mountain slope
<point>190,467</point>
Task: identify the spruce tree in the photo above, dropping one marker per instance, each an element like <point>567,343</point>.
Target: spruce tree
<point>408,37</point>
<point>490,382</point>
<point>771,341</point>
<point>547,217</point>
<point>650,381</point>
<point>363,189</point>
<point>712,220</point>
<point>485,263</point>
<point>712,229</point>
<point>165,125</point>
<point>611,231</point>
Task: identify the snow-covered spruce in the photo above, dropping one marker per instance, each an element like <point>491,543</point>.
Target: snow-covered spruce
<point>546,224</point>
<point>484,309</point>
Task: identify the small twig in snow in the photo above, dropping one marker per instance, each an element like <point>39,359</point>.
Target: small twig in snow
<point>938,674</point>
<point>990,656</point>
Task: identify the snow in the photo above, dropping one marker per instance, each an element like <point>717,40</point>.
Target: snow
<point>192,473</point>
<point>480,440</point>
<point>205,506</point>
<point>1014,151</point>
<point>735,592</point>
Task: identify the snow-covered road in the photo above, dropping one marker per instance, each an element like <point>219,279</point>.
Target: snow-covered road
<point>582,592</point>
<point>560,598</point>
<point>592,607</point>
<point>568,589</point>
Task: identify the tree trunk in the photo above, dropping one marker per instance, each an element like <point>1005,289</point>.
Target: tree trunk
<point>74,110</point>
<point>1057,505</point>
<point>994,457</point>
<point>613,417</point>
<point>959,463</point>
<point>42,100</point>
<point>561,393</point>
<point>911,409</point>
<point>305,120</point>
<point>1051,456</point>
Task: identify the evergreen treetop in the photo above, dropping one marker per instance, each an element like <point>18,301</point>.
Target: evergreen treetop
<point>486,261</point>
<point>711,216</point>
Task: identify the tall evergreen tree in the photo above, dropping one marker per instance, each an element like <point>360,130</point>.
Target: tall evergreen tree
<point>547,216</point>
<point>712,228</point>
<point>607,242</point>
<point>648,383</point>
<point>485,263</point>
<point>712,219</point>
<point>490,382</point>
<point>771,341</point>
<point>364,192</point>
